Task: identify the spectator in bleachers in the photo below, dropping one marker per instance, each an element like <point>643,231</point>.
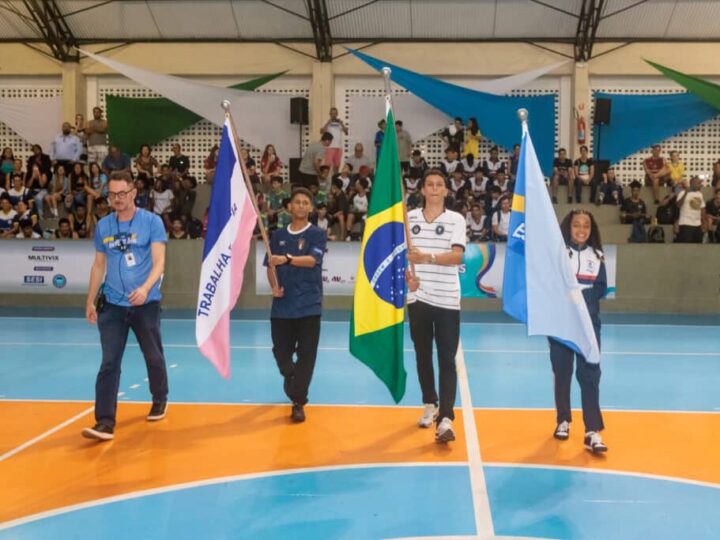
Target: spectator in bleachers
<point>66,148</point>
<point>142,196</point>
<point>450,162</point>
<point>583,175</point>
<point>37,183</point>
<point>656,171</point>
<point>26,212</point>
<point>8,228</point>
<point>479,185</point>
<point>81,222</point>
<point>412,184</point>
<point>418,163</point>
<point>712,217</point>
<point>676,169</point>
<point>177,230</point>
<point>358,159</point>
<point>472,141</point>
<point>337,206</point>
<point>363,174</point>
<point>179,163</point>
<point>7,163</point>
<point>102,208</point>
<point>245,156</point>
<point>404,142</point>
<point>611,191</point>
<point>469,165</point>
<point>458,184</point>
<point>313,159</point>
<point>96,131</point>
<point>116,161</point>
<point>210,164</point>
<point>276,198</point>
<point>633,208</point>
<point>476,224</point>
<point>97,183</point>
<point>145,163</point>
<point>322,221</point>
<point>345,176</point>
<point>17,168</point>
<point>692,218</point>
<point>454,135</point>
<point>334,152</point>
<point>42,161</point>
<point>358,209</point>
<point>501,221</point>
<point>26,230</point>
<point>187,196</point>
<point>493,164</point>
<point>492,203</point>
<point>59,189</point>
<point>715,182</point>
<point>324,178</point>
<point>16,189</point>
<point>514,161</point>
<point>503,182</point>
<point>319,196</point>
<point>78,184</point>
<point>667,212</point>
<point>64,231</point>
<point>284,217</point>
<point>270,165</point>
<point>379,137</point>
<point>563,173</point>
<point>162,201</point>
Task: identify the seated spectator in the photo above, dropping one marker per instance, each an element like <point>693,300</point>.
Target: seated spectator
<point>145,163</point>
<point>7,163</point>
<point>712,216</point>
<point>245,156</point>
<point>476,224</point>
<point>162,200</point>
<point>319,196</point>
<point>337,206</point>
<point>493,164</point>
<point>514,161</point>
<point>610,192</point>
<point>8,227</point>
<point>458,185</point>
<point>563,174</point>
<point>276,198</point>
<point>492,203</point>
<point>102,208</point>
<point>418,163</point>
<point>633,208</point>
<point>667,211</point>
<point>412,190</point>
<point>179,163</point>
<point>81,222</point>
<point>142,196</point>
<point>16,189</point>
<point>479,185</point>
<point>358,209</point>
<point>270,165</point>
<point>27,231</point>
<point>116,161</point>
<point>26,213</point>
<point>345,176</point>
<point>97,185</point>
<point>324,178</point>
<point>656,172</point>
<point>501,181</point>
<point>210,164</point>
<point>322,221</point>
<point>692,218</point>
<point>177,229</point>
<point>675,168</point>
<point>78,185</point>
<point>715,182</point>
<point>59,189</point>
<point>363,174</point>
<point>64,231</point>
<point>583,175</point>
<point>450,162</point>
<point>284,217</point>
<point>37,184</point>
<point>470,165</point>
<point>501,221</point>
<point>358,159</point>
<point>17,168</point>
<point>42,161</point>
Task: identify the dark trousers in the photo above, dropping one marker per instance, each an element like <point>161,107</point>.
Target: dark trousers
<point>291,336</point>
<point>114,323</point>
<point>689,235</point>
<point>443,325</point>
<point>588,375</point>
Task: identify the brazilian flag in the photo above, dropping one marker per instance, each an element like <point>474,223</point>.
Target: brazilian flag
<point>376,325</point>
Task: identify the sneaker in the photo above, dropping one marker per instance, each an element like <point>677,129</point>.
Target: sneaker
<point>554,200</point>
<point>445,433</point>
<point>157,411</point>
<point>298,413</point>
<point>593,442</point>
<point>562,431</point>
<point>429,416</point>
<point>99,432</point>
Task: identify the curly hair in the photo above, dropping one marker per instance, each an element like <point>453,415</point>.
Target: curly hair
<point>593,241</point>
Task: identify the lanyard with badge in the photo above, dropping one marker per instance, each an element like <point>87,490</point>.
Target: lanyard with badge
<point>122,240</point>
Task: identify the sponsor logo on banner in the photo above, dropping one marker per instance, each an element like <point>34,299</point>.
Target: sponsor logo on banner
<point>43,258</point>
<point>59,281</point>
<point>34,280</point>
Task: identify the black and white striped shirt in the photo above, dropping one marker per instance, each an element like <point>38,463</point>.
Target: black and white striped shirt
<point>439,284</point>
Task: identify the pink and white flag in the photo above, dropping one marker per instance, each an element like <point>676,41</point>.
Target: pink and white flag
<point>231,221</point>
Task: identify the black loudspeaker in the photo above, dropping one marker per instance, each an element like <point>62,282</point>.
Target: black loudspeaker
<point>299,111</point>
<point>294,170</point>
<point>602,112</point>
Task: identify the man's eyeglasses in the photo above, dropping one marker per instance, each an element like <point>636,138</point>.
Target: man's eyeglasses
<point>120,195</point>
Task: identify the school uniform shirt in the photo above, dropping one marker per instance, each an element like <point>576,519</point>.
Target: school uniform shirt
<point>502,220</point>
<point>492,167</point>
<point>23,194</point>
<point>6,220</point>
<point>411,185</point>
<point>470,168</point>
<point>303,286</point>
<point>127,270</point>
<point>589,269</point>
<point>439,284</point>
<point>691,209</point>
<point>475,228</point>
<point>448,167</point>
<point>360,203</point>
<point>162,201</point>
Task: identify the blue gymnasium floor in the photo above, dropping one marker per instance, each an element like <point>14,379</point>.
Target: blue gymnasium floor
<point>227,464</point>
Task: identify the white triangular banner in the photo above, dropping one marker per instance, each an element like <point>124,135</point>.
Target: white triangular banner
<point>37,120</point>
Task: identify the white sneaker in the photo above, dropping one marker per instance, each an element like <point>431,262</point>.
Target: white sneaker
<point>430,414</point>
<point>54,212</point>
<point>562,431</point>
<point>593,442</point>
<point>445,433</point>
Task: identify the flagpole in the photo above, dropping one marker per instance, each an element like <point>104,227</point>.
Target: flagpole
<point>274,283</point>
<point>386,72</point>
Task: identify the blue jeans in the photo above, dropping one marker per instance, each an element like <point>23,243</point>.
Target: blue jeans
<point>114,323</point>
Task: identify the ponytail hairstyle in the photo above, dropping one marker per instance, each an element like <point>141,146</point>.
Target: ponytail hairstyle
<point>593,241</point>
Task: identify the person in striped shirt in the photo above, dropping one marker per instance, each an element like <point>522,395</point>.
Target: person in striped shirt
<point>437,238</point>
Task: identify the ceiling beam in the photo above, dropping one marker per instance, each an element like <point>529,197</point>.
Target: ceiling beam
<point>318,13</point>
<point>53,28</point>
<point>587,29</point>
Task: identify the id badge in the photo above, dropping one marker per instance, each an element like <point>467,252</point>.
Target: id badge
<point>130,259</point>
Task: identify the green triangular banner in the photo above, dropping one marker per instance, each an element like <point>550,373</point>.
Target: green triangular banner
<point>133,122</point>
<point>704,90</point>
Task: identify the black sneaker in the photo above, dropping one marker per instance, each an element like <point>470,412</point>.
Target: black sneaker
<point>99,432</point>
<point>298,413</point>
<point>593,442</point>
<point>157,411</point>
<point>562,431</point>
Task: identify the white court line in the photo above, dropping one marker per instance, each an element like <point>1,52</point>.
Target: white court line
<point>481,501</point>
<point>345,349</point>
<point>42,436</point>
<point>217,480</point>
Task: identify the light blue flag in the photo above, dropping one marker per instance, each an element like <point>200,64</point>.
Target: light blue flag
<point>540,287</point>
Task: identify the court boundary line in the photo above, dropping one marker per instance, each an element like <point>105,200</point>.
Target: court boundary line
<point>218,480</point>
<point>484,527</point>
<point>46,434</point>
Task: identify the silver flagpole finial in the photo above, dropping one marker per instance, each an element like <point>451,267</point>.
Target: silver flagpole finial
<point>522,115</point>
<point>386,72</point>
<point>226,105</point>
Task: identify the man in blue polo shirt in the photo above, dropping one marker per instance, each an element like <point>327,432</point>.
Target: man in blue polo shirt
<point>130,255</point>
<point>297,255</point>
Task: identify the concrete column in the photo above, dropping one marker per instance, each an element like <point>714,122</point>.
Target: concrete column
<point>73,91</point>
<point>581,103</point>
<point>322,96</point>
